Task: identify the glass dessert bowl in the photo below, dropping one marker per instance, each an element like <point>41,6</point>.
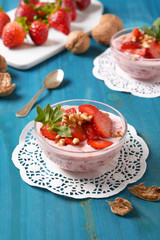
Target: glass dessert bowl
<point>136,53</point>
<point>87,155</point>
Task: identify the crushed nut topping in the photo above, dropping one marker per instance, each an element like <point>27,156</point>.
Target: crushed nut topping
<point>120,206</point>
<point>146,40</point>
<point>146,193</point>
<point>74,119</point>
<point>61,142</point>
<point>118,134</point>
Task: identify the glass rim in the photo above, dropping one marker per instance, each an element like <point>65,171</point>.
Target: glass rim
<point>91,152</point>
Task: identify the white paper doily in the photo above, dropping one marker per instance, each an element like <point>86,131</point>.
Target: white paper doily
<point>37,170</point>
<point>107,70</point>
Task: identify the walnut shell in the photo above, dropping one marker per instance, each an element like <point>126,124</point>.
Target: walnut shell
<point>109,24</point>
<point>5,84</point>
<point>3,64</point>
<point>112,19</point>
<point>78,42</point>
<point>102,33</point>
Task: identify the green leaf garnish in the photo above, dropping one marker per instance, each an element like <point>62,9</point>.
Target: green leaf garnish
<point>51,117</point>
<point>1,9</point>
<point>153,31</point>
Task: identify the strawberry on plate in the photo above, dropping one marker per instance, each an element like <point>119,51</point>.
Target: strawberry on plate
<point>102,124</point>
<point>4,19</point>
<point>38,32</point>
<point>25,11</point>
<point>71,5</point>
<point>154,50</point>
<point>13,34</point>
<point>99,143</point>
<point>88,108</point>
<point>32,2</point>
<point>79,132</point>
<point>60,20</point>
<point>82,4</point>
<point>45,130</point>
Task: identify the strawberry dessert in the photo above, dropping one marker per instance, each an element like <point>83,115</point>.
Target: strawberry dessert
<point>137,51</point>
<point>83,133</point>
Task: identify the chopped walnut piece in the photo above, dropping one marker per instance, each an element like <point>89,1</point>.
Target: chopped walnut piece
<point>74,119</point>
<point>5,84</point>
<point>146,193</point>
<point>120,206</point>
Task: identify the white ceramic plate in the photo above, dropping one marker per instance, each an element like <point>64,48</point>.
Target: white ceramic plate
<point>29,55</point>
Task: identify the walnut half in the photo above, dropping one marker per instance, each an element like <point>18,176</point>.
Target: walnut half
<point>6,87</point>
<point>120,206</point>
<point>146,193</point>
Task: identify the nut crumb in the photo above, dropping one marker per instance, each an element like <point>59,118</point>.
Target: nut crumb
<point>146,193</point>
<point>120,206</point>
<point>6,87</point>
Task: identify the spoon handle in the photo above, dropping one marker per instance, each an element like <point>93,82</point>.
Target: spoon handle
<point>26,109</point>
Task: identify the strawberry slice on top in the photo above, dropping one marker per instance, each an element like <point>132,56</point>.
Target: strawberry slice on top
<point>90,130</point>
<point>99,143</point>
<point>88,108</point>
<point>46,132</point>
<point>102,124</point>
<point>154,50</point>
<point>130,45</point>
<point>70,110</point>
<point>79,132</point>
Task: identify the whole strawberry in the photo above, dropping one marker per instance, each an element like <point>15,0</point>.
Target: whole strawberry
<point>60,20</point>
<point>39,9</point>
<point>71,4</point>
<point>13,34</point>
<point>4,19</point>
<point>38,32</point>
<point>82,4</point>
<point>25,11</point>
<point>33,2</point>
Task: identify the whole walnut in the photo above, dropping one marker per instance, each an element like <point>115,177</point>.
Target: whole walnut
<point>3,64</point>
<point>108,25</point>
<point>78,42</point>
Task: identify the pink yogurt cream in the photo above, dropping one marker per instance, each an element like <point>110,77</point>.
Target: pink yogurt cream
<point>134,65</point>
<point>83,146</point>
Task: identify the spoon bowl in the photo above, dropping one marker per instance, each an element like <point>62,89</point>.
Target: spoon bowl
<point>51,81</point>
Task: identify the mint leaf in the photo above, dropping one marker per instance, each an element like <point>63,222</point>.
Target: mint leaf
<point>156,22</point>
<point>51,117</point>
<point>41,115</point>
<point>154,31</point>
<point>63,131</point>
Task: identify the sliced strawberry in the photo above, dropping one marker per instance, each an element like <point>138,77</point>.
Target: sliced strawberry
<point>71,110</point>
<point>45,130</point>
<point>142,52</point>
<point>90,130</point>
<point>136,33</point>
<point>99,143</point>
<point>69,141</point>
<point>102,124</point>
<point>154,50</point>
<point>130,45</point>
<point>88,108</point>
<point>79,132</point>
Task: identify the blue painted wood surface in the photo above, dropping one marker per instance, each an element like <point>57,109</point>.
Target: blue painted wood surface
<point>29,213</point>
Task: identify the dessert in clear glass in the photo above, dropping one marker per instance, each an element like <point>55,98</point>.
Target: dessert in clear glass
<point>96,138</point>
<point>137,53</point>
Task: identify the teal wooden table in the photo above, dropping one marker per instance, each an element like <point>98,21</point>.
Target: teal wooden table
<point>29,213</point>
